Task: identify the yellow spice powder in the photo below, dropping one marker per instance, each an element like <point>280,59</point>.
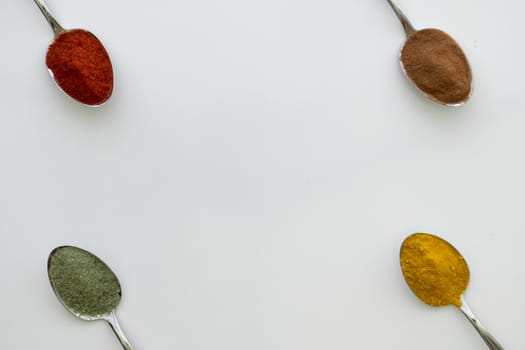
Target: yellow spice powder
<point>434,270</point>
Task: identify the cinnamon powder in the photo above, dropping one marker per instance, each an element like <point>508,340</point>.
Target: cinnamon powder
<point>81,66</point>
<point>435,63</point>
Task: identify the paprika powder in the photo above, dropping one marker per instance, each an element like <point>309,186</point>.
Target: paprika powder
<point>81,66</point>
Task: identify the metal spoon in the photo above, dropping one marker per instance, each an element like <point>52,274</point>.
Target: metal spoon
<point>463,90</point>
<point>80,85</point>
<point>457,294</point>
<point>86,286</point>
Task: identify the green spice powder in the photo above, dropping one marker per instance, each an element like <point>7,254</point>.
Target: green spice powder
<point>85,285</point>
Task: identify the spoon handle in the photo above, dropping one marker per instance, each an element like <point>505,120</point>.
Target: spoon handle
<point>57,28</point>
<point>407,26</point>
<point>485,335</point>
<point>115,326</point>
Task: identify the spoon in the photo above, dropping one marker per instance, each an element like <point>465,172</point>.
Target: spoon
<point>86,286</point>
<point>438,275</point>
<point>78,62</point>
<point>434,63</point>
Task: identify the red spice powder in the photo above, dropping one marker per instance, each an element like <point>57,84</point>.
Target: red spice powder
<point>81,66</point>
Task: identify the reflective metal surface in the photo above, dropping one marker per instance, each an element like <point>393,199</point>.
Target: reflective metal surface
<point>487,337</point>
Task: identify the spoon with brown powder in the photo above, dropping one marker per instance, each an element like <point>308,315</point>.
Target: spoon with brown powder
<point>86,286</point>
<point>78,62</point>
<point>434,63</point>
<point>438,275</point>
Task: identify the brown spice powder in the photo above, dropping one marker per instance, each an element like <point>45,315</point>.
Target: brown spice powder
<point>435,63</point>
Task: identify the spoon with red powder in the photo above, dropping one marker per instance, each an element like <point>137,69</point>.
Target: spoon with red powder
<point>79,63</point>
<point>434,63</point>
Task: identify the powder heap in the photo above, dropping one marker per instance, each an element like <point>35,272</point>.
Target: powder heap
<point>84,284</point>
<point>434,270</point>
<point>435,63</point>
<point>81,66</point>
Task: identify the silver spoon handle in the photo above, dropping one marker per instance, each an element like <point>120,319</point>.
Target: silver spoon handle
<point>115,326</point>
<point>57,28</point>
<point>485,335</point>
<point>407,26</point>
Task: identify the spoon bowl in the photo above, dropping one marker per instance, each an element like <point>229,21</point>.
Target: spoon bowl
<point>434,63</point>
<point>439,275</point>
<point>86,287</point>
<point>78,63</point>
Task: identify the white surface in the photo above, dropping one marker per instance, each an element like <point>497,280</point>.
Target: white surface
<point>255,172</point>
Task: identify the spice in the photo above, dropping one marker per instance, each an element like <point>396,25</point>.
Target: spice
<point>435,63</point>
<point>85,285</point>
<point>81,66</point>
<point>434,270</point>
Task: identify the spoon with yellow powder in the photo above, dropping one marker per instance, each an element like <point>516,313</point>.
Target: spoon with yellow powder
<point>434,63</point>
<point>86,286</point>
<point>438,275</point>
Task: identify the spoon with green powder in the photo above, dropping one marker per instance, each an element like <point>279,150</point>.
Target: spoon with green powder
<point>435,63</point>
<point>86,286</point>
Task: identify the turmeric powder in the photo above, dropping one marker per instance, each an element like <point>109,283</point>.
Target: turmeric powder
<point>434,270</point>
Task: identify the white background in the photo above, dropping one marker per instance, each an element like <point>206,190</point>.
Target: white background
<point>255,172</point>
